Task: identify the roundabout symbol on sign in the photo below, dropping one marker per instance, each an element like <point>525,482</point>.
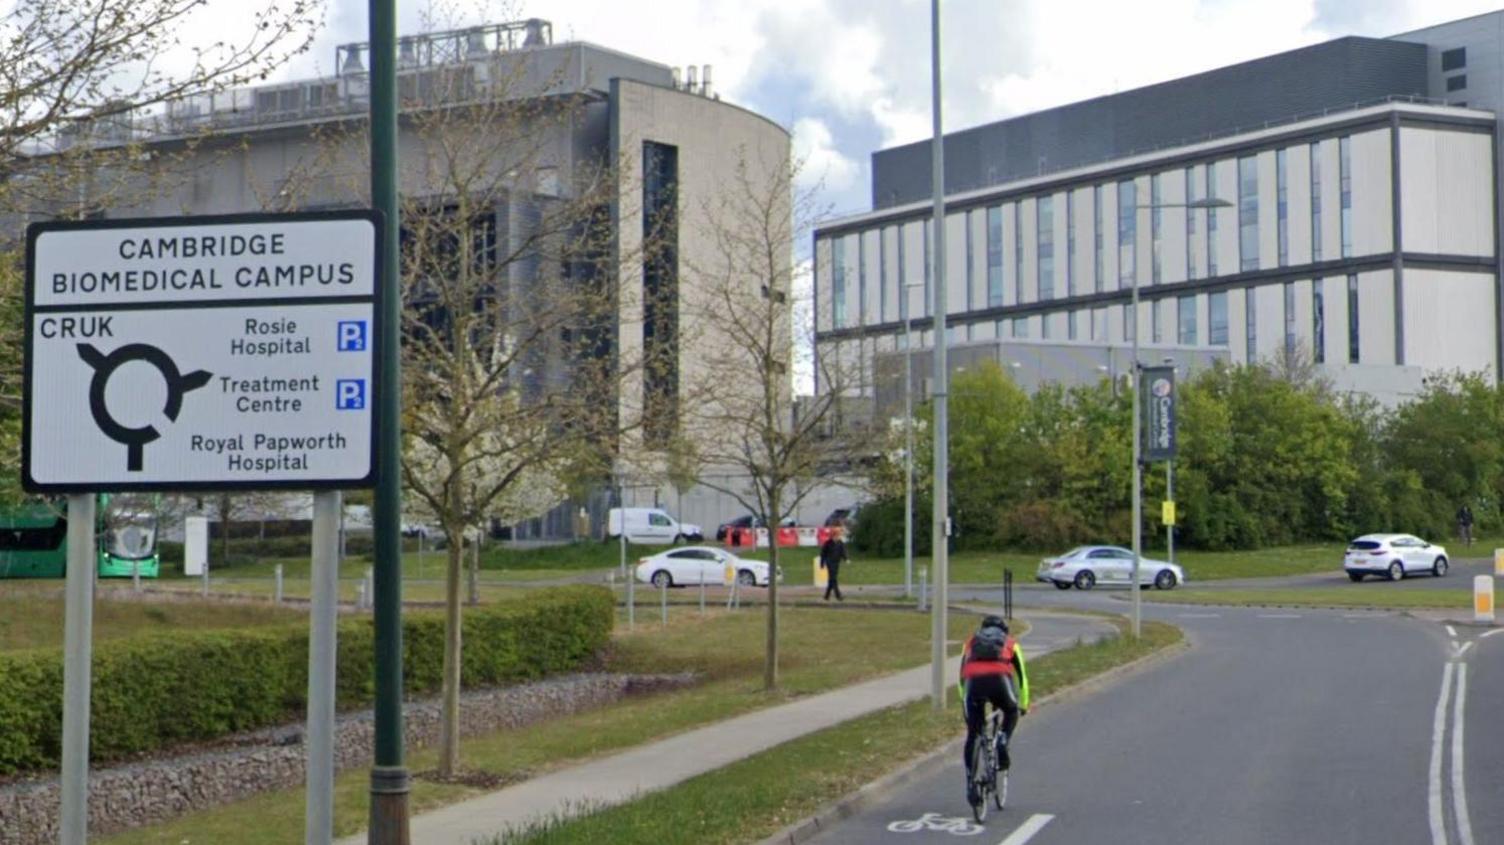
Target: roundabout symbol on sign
<point>178,383</point>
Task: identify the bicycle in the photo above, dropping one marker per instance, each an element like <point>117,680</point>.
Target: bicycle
<point>986,779</point>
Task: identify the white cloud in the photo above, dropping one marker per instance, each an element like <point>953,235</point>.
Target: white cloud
<point>823,164</point>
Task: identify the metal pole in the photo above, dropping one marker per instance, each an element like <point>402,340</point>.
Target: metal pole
<point>1170,496</point>
<point>702,594</point>
<point>322,648</point>
<point>908,449</point>
<point>203,577</point>
<point>136,576</point>
<point>941,551</point>
<point>389,821</point>
<point>78,638</point>
<point>1138,465</point>
<point>924,586</point>
<point>663,602</point>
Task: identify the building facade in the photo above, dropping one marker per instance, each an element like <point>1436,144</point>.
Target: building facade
<point>1360,224</point>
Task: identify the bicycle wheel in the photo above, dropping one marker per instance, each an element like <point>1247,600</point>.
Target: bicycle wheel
<point>978,784</point>
<point>1000,793</point>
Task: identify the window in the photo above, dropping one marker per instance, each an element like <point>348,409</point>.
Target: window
<point>1156,331</point>
<point>1101,263</point>
<point>1070,243</point>
<point>1155,215</point>
<point>1190,225</point>
<point>1044,326</point>
<point>1216,318</point>
<point>882,275</point>
<point>929,295</point>
<point>1020,326</point>
<point>838,282</point>
<point>1318,323</point>
<point>970,267</point>
<point>1290,330</point>
<point>994,256</point>
<point>1455,59</point>
<point>1127,234</point>
<point>903,282</point>
<point>1250,326</point>
<point>1248,213</point>
<point>1316,202</point>
<point>861,279</point>
<point>1282,206</point>
<point>1018,252</point>
<point>1352,319</point>
<point>1044,216</point>
<point>1211,220</point>
<point>1129,329</point>
<point>1185,322</point>
<point>1345,192</point>
<point>1070,322</point>
<point>1457,83</point>
<point>1099,324</point>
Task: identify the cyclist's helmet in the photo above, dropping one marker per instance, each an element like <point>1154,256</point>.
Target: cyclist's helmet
<point>993,621</point>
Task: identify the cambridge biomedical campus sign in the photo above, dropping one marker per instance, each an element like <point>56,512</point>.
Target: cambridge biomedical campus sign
<point>201,352</point>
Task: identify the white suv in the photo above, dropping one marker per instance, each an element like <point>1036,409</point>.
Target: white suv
<point>1394,555</point>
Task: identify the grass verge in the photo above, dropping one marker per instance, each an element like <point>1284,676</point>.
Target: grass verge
<point>33,618</point>
<point>822,649</point>
<point>752,799</point>
<point>1370,595</point>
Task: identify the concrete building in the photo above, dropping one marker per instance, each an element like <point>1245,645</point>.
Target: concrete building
<point>668,136</point>
<point>1362,177</point>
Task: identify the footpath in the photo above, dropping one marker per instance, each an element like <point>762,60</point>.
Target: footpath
<point>621,777</point>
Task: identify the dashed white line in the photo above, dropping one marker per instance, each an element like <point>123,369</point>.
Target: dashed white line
<point>1438,730</point>
<point>1199,615</point>
<point>1451,632</point>
<point>1026,831</point>
<point>1459,787</point>
<point>1279,615</point>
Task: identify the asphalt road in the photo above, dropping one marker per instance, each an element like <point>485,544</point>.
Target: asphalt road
<point>1310,726</point>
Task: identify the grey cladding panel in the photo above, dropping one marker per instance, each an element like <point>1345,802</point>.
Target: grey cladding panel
<point>1332,74</point>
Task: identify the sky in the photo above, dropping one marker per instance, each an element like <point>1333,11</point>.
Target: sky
<point>848,77</point>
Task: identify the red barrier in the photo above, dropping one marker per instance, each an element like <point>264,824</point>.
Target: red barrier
<point>822,534</point>
<point>788,537</point>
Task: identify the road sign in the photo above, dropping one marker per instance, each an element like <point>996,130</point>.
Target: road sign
<point>201,353</point>
<point>1167,512</point>
<point>1158,385</point>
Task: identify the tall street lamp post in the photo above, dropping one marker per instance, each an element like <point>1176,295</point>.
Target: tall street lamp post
<point>1138,463</point>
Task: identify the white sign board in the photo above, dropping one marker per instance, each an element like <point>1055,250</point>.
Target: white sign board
<point>201,353</point>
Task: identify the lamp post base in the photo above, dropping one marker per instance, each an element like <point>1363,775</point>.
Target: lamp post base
<point>390,816</point>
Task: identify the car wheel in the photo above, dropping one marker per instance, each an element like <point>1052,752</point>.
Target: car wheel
<point>662,580</point>
<point>746,578</point>
<point>1085,579</point>
<point>1165,580</point>
<point>1061,585</point>
<point>1439,568</point>
<point>1396,571</point>
<point>1355,577</point>
<point>678,538</point>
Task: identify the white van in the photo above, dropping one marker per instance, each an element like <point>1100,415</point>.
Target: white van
<point>650,526</point>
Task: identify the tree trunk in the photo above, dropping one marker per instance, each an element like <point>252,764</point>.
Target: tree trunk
<point>770,667</point>
<point>474,585</point>
<point>449,720</point>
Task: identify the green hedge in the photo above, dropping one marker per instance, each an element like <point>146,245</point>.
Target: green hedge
<point>153,691</point>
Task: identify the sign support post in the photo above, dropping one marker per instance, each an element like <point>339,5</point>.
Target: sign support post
<point>78,637</point>
<point>322,648</point>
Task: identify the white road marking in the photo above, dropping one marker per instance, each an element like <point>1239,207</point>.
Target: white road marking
<point>1459,788</point>
<point>1355,616</point>
<point>1279,615</point>
<point>1438,730</point>
<point>1451,632</point>
<point>1199,615</point>
<point>1027,830</point>
<point>1463,650</point>
<point>1491,633</point>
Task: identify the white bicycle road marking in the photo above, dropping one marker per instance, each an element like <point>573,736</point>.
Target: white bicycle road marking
<point>1438,730</point>
<point>1491,633</point>
<point>1027,830</point>
<point>1451,632</point>
<point>1459,787</point>
<point>955,826</point>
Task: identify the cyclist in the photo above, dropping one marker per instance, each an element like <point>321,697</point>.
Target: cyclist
<point>992,670</point>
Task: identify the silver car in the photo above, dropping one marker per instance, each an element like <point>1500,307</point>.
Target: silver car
<point>1085,567</point>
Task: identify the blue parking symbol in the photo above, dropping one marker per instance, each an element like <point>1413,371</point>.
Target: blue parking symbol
<point>351,336</point>
<point>350,394</point>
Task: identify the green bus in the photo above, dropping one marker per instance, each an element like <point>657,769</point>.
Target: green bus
<point>34,541</point>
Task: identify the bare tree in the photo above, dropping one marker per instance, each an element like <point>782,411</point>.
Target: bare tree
<point>766,449</point>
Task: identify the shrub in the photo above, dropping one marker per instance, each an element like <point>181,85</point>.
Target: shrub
<point>152,691</point>
<point>1038,526</point>
<point>879,528</point>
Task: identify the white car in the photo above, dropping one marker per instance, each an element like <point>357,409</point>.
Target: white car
<point>1394,555</point>
<point>700,565</point>
<point>1085,567</point>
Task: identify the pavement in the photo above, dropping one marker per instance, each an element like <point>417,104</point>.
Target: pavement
<point>664,763</point>
<point>1278,726</point>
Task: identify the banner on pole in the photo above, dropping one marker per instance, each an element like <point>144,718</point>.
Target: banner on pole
<point>1158,402</point>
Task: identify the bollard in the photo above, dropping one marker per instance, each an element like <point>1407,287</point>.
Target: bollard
<point>277,592</point>
<point>1483,599</point>
<point>924,582</point>
<point>136,575</point>
<point>702,594</point>
<point>360,596</point>
<point>366,588</point>
<point>663,601</point>
<point>1499,561</point>
<point>204,582</point>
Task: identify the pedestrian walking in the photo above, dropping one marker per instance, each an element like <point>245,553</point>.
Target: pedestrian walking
<point>832,555</point>
<point>1465,524</point>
